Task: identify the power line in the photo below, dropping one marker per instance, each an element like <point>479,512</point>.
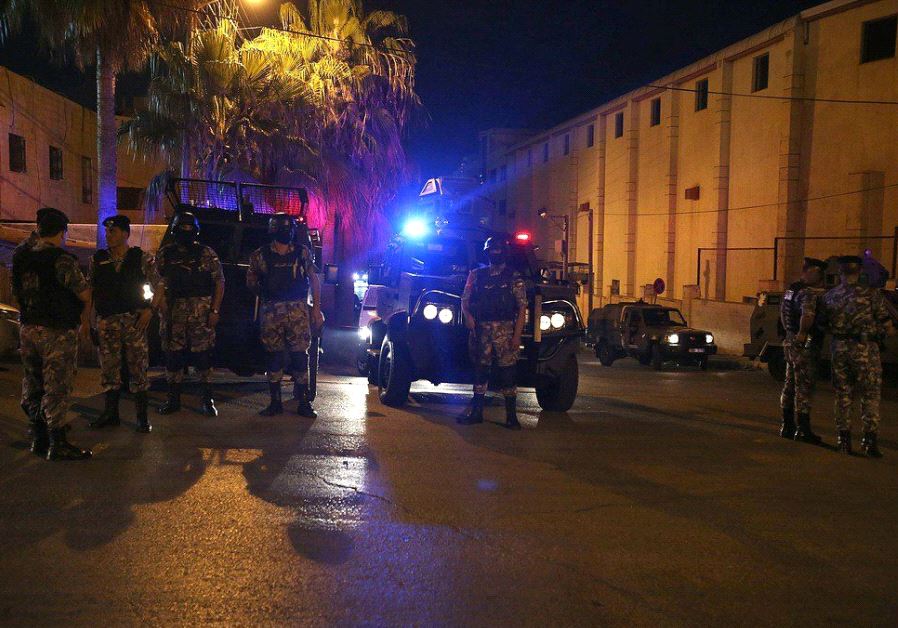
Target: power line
<point>842,101</point>
<point>759,206</point>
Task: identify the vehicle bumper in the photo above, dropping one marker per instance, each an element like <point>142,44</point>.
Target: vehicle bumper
<point>688,353</point>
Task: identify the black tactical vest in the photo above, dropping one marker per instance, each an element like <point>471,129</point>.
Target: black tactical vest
<point>182,274</point>
<point>285,277</point>
<point>42,298</point>
<point>790,310</point>
<point>493,296</point>
<point>118,292</point>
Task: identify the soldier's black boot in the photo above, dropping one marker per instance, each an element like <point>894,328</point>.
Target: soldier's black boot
<point>173,402</point>
<point>276,406</point>
<point>869,447</point>
<point>61,449</point>
<point>208,408</point>
<point>511,413</point>
<point>304,408</point>
<point>40,436</point>
<point>110,415</point>
<point>787,429</point>
<point>845,442</point>
<point>804,433</point>
<point>474,414</point>
<point>143,421</point>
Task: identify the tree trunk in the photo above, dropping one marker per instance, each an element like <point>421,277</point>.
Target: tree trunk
<point>107,129</point>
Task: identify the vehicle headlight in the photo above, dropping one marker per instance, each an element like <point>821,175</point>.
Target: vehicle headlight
<point>147,292</point>
<point>544,322</point>
<point>557,320</point>
<point>674,339</point>
<point>365,333</point>
<point>430,311</point>
<point>446,315</point>
<point>709,339</point>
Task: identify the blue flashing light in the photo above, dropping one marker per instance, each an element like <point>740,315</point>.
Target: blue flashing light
<point>415,228</point>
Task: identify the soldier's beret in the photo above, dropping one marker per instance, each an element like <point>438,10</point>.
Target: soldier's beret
<point>850,260</point>
<point>813,262</point>
<point>50,220</point>
<point>118,221</point>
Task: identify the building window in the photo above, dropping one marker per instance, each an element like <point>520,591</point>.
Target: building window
<point>546,152</point>
<point>655,112</point>
<point>529,157</point>
<point>16,153</point>
<point>619,124</point>
<point>701,95</point>
<point>590,135</point>
<point>128,199</point>
<point>503,173</point>
<point>87,181</point>
<point>878,39</point>
<point>493,175</point>
<point>760,73</point>
<point>55,163</point>
<point>567,144</point>
<point>502,207</point>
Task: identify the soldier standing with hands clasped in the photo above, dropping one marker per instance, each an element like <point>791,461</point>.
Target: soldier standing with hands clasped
<point>858,321</point>
<point>281,274</point>
<point>52,294</point>
<point>494,303</point>
<point>799,315</point>
<point>193,283</point>
<point>118,275</point>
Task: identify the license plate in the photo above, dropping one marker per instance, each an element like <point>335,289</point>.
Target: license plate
<point>696,351</point>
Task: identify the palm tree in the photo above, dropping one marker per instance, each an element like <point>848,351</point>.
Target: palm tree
<point>115,35</point>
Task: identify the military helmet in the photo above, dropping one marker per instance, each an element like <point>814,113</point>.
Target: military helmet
<point>282,227</point>
<point>185,223</point>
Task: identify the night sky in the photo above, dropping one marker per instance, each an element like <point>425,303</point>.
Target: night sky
<point>512,64</point>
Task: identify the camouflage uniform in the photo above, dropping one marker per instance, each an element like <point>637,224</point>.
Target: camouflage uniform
<point>857,319</point>
<point>185,324</point>
<point>284,325</point>
<point>801,360</point>
<point>50,355</point>
<point>118,334</point>
<point>491,341</point>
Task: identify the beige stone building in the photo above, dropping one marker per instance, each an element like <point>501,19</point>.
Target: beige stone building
<point>48,156</point>
<point>787,140</point>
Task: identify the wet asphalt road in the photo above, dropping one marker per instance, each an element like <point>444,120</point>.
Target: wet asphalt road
<point>661,499</point>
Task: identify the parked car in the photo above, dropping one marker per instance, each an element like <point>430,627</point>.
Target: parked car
<point>653,334</point>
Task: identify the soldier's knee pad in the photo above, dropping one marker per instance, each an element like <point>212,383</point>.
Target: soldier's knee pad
<point>274,361</point>
<point>202,360</point>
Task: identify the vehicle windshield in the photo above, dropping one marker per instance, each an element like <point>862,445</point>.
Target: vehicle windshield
<point>663,318</point>
<point>444,257</point>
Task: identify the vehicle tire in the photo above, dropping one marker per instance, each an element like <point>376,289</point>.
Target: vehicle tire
<point>776,365</point>
<point>605,354</point>
<point>362,362</point>
<point>703,363</point>
<point>394,375</point>
<point>657,357</point>
<point>644,358</point>
<point>558,394</point>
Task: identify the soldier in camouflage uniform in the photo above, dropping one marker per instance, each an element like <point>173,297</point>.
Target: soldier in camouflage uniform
<point>859,322</point>
<point>118,275</point>
<point>281,274</point>
<point>193,283</point>
<point>804,338</point>
<point>52,293</point>
<point>494,303</point>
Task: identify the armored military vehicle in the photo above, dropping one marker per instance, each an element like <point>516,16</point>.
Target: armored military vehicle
<point>652,334</point>
<point>418,332</point>
<point>234,222</point>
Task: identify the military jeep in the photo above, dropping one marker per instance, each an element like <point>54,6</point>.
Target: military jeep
<point>233,221</point>
<point>653,334</point>
<point>418,332</point>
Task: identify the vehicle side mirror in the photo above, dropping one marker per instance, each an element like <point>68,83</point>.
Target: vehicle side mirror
<point>331,274</point>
